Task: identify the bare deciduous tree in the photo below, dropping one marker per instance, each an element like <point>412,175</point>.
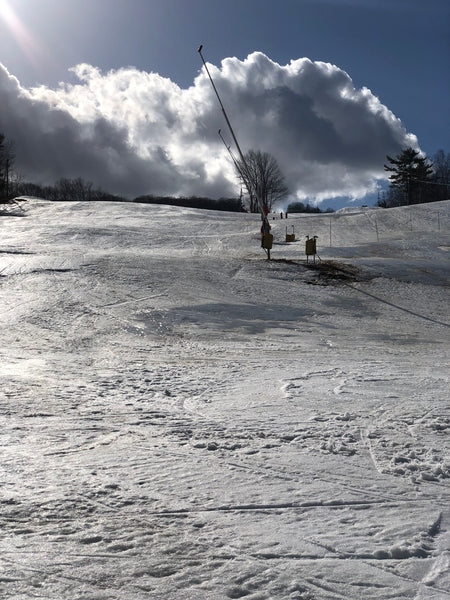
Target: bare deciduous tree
<point>6,166</point>
<point>263,179</point>
<point>74,189</point>
<point>441,175</point>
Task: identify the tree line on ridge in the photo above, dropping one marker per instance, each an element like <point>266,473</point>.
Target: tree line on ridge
<point>413,179</point>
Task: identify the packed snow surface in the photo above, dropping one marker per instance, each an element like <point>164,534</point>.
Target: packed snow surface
<point>183,419</point>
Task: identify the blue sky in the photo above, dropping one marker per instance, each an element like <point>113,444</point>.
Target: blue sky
<point>399,49</point>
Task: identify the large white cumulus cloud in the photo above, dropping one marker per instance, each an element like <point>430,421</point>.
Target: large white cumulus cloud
<point>132,132</point>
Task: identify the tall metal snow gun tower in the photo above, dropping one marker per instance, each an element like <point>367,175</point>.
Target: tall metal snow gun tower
<point>266,236</point>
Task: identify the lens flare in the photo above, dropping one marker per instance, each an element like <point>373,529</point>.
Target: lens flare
<point>25,39</point>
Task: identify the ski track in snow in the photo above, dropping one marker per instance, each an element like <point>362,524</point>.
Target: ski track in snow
<point>182,419</point>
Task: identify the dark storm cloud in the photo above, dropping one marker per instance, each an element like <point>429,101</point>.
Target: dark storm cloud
<point>50,143</point>
<point>132,132</point>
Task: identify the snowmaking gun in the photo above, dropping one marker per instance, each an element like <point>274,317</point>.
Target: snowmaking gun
<point>266,236</point>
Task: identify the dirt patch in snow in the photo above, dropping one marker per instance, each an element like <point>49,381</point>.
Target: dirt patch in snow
<point>329,272</point>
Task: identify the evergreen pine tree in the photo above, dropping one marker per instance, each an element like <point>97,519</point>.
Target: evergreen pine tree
<point>410,174</point>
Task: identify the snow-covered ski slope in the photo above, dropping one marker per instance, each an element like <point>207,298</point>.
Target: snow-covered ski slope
<point>182,419</point>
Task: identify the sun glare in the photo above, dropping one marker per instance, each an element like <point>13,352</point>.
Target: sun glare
<point>22,34</point>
